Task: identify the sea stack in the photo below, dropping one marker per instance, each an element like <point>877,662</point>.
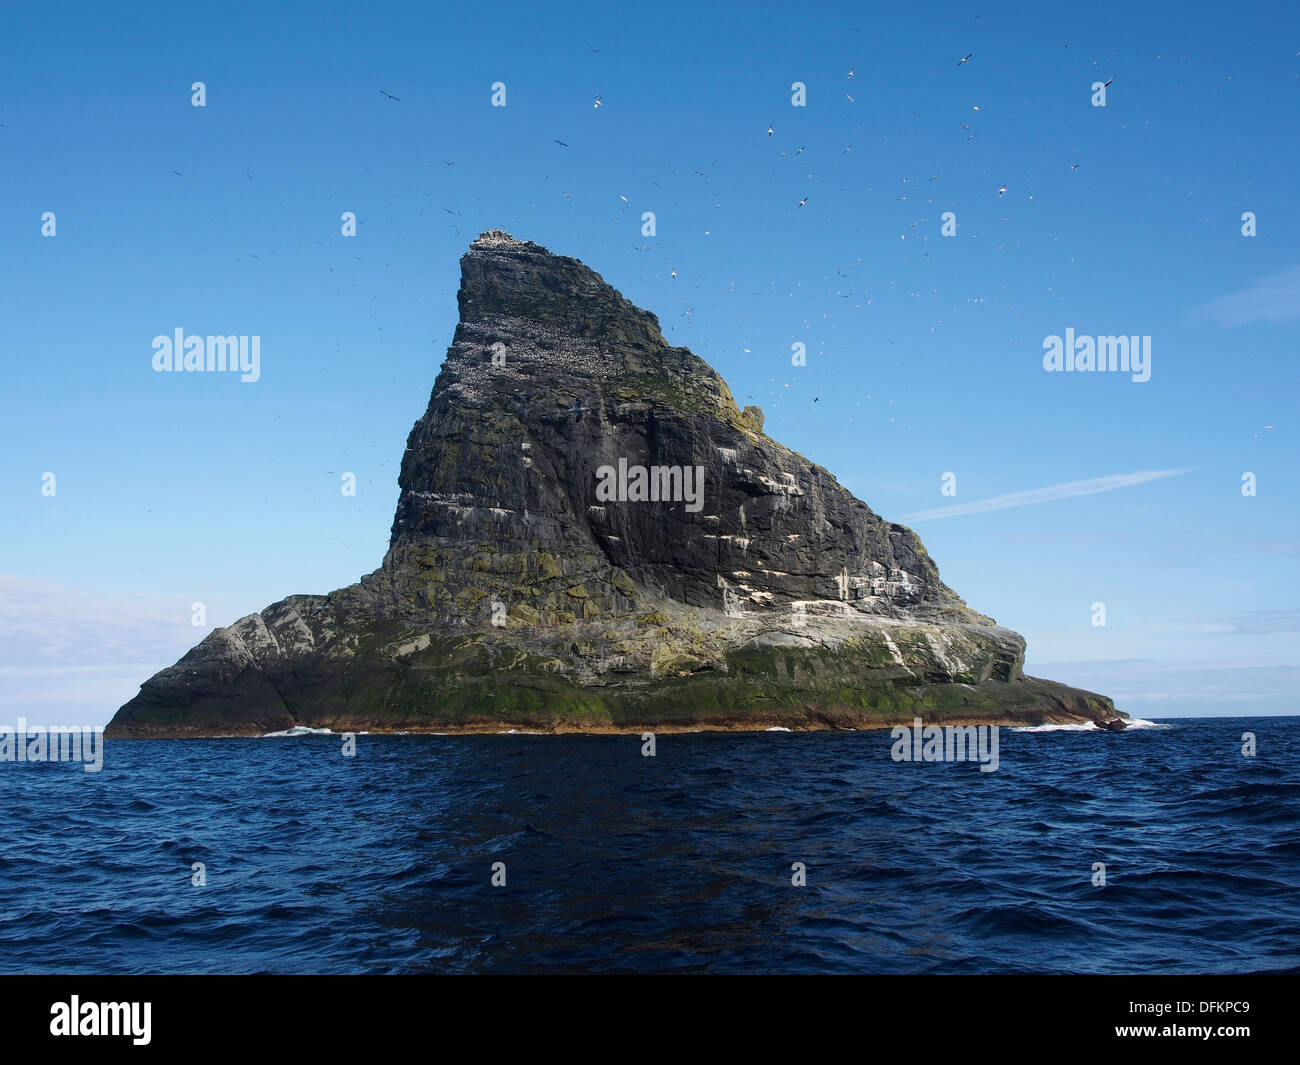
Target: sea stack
<point>591,536</point>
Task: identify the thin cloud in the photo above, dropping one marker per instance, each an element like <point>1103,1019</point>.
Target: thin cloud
<point>1275,299</point>
<point>1047,495</point>
<point>1221,685</point>
<point>72,656</point>
<point>47,624</point>
<point>1257,622</point>
<point>1283,546</point>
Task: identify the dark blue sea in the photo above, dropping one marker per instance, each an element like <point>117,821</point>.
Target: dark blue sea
<point>615,862</point>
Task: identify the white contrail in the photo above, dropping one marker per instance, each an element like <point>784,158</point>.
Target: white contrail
<point>1046,495</point>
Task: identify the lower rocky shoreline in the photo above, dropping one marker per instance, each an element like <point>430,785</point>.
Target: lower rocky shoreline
<point>1100,713</point>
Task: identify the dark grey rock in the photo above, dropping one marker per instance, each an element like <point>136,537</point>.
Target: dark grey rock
<point>513,595</point>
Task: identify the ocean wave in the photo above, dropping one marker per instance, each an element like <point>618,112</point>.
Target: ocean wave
<point>1086,726</point>
<point>300,730</point>
<point>1134,723</point>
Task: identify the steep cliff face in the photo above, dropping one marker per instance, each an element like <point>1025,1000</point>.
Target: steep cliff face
<point>592,534</point>
<point>553,375</point>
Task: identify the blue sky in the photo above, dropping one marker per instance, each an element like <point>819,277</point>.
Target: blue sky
<point>924,352</point>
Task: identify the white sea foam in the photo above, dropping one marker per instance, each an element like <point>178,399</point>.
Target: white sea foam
<point>1088,726</point>
<point>776,728</point>
<point>300,730</point>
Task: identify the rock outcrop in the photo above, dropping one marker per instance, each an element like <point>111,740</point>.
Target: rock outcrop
<point>592,535</point>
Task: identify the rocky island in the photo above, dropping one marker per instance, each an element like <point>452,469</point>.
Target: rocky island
<point>592,536</point>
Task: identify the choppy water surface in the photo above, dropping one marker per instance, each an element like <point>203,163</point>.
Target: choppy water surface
<point>614,861</point>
